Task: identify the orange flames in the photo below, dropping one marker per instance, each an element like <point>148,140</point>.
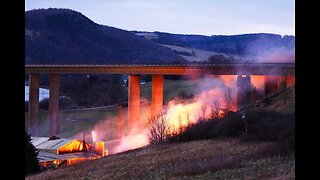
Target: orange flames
<point>206,105</point>
<point>77,146</point>
<point>69,161</point>
<point>74,146</point>
<point>72,161</point>
<point>215,95</point>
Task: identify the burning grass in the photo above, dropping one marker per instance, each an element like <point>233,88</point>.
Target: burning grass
<point>220,158</point>
<point>264,123</point>
<point>206,158</point>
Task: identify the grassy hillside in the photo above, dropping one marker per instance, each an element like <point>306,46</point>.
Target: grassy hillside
<point>242,44</point>
<point>218,158</point>
<point>280,102</point>
<point>206,159</point>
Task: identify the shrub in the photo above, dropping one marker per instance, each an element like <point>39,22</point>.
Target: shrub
<point>230,126</point>
<point>44,104</point>
<point>67,103</point>
<point>262,126</point>
<point>158,128</point>
<point>31,160</point>
<point>267,125</point>
<point>64,103</point>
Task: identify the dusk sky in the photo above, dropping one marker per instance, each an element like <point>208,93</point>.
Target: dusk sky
<point>205,17</point>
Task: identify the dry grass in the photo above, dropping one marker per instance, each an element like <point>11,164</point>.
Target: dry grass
<point>198,159</point>
<point>268,168</point>
<point>283,102</point>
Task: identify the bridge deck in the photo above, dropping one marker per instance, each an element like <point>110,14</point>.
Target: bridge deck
<point>168,69</point>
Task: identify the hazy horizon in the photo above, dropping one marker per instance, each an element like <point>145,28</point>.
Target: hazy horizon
<point>229,17</point>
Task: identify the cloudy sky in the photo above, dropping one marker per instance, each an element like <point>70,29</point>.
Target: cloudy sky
<point>205,17</point>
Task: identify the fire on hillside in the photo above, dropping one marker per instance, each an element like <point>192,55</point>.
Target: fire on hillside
<point>214,97</point>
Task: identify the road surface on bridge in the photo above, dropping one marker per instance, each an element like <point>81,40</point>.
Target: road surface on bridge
<point>168,69</point>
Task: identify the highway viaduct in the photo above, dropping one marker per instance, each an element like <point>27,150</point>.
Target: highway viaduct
<point>134,71</point>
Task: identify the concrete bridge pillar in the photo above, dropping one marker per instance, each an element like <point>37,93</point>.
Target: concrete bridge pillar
<point>243,89</point>
<point>157,94</point>
<point>121,123</point>
<point>271,85</point>
<point>32,124</point>
<point>54,105</point>
<point>133,100</point>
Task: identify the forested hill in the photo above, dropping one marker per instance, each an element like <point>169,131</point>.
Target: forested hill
<point>242,44</point>
<point>63,36</point>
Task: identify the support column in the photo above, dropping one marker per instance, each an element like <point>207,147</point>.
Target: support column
<point>157,94</point>
<point>133,100</point>
<point>33,104</point>
<point>243,89</point>
<point>121,123</point>
<point>270,85</point>
<point>54,105</point>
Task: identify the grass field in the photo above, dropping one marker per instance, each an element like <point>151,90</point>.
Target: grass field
<point>76,121</point>
<point>172,88</point>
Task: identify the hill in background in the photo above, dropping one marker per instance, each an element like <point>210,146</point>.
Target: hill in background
<point>254,47</point>
<point>63,36</point>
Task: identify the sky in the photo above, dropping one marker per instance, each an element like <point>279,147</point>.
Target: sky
<point>204,17</point>
<point>43,93</point>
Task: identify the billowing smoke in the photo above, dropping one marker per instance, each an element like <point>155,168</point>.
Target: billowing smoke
<point>273,49</point>
<point>277,55</point>
<point>213,96</point>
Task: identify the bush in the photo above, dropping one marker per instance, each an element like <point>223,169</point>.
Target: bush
<point>31,160</point>
<point>64,103</point>
<point>262,126</point>
<point>67,103</point>
<point>267,125</point>
<point>158,129</point>
<point>230,126</point>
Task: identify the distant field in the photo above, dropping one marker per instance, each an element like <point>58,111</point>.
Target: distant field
<point>199,55</point>
<point>76,121</point>
<point>172,88</point>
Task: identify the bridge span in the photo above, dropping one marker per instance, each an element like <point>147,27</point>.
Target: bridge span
<point>168,69</point>
<point>156,70</point>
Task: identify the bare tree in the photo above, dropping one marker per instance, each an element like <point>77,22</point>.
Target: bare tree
<point>283,86</point>
<point>180,128</point>
<point>228,100</point>
<point>215,109</point>
<point>253,96</point>
<point>188,120</point>
<point>158,128</point>
<point>203,111</point>
<point>283,83</point>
